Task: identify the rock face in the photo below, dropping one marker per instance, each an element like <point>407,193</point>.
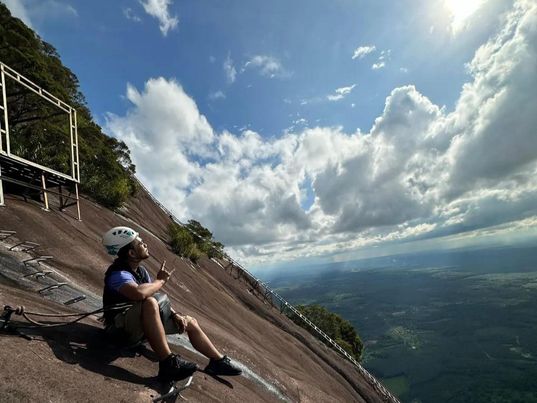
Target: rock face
<point>76,363</point>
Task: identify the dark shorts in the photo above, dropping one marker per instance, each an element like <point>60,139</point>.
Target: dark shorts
<point>129,324</point>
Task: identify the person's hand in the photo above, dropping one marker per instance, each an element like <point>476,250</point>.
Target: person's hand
<point>163,274</point>
<point>180,321</point>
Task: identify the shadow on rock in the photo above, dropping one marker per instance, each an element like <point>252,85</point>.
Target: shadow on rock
<point>221,380</point>
<point>87,346</point>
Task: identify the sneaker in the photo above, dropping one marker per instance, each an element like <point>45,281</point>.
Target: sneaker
<point>175,368</point>
<point>223,366</point>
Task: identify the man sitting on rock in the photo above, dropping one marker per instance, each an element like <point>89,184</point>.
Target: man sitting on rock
<point>151,317</point>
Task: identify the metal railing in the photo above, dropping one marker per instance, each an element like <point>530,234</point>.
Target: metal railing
<point>386,395</point>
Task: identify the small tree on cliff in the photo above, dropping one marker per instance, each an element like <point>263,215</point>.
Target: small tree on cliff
<point>193,241</point>
<point>337,328</point>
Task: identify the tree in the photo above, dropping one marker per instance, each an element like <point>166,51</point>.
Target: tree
<point>181,240</point>
<point>204,240</point>
<point>337,328</point>
<point>200,230</point>
<point>193,241</point>
<point>216,251</point>
<point>39,131</point>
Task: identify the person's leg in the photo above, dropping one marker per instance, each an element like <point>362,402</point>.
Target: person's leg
<point>153,328</point>
<point>218,364</point>
<point>199,339</point>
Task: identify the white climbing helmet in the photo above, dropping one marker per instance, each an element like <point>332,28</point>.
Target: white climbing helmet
<point>117,238</point>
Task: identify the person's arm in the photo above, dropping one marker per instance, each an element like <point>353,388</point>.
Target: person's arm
<point>139,292</point>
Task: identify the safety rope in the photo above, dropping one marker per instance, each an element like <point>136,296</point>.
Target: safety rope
<point>8,310</point>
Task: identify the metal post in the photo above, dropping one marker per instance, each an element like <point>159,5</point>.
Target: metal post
<point>2,107</point>
<point>6,123</point>
<point>73,175</point>
<point>45,196</point>
<point>1,189</point>
<point>76,151</point>
<point>77,202</point>
<point>60,196</point>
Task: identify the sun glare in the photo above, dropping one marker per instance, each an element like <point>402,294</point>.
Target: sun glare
<point>461,10</point>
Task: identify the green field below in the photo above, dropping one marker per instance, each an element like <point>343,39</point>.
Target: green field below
<point>458,333</point>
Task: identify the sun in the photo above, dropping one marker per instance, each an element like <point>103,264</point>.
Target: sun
<point>461,10</point>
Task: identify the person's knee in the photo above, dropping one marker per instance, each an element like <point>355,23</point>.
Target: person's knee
<point>191,323</point>
<point>150,305</point>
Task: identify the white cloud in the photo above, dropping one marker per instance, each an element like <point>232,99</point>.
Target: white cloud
<point>229,70</point>
<point>419,172</point>
<point>163,128</point>
<point>385,165</point>
<point>461,11</point>
<point>32,12</point>
<point>378,65</point>
<point>362,51</point>
<point>214,96</point>
<point>131,15</point>
<point>159,10</point>
<point>341,93</point>
<point>382,59</point>
<point>498,107</point>
<point>18,9</point>
<point>313,100</point>
<point>296,124</point>
<point>268,66</point>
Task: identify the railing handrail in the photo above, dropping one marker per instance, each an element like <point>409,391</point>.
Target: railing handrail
<point>372,380</point>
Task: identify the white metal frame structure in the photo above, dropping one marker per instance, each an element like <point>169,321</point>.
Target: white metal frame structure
<point>21,164</point>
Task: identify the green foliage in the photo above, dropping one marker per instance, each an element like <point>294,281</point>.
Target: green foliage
<point>204,241</point>
<point>199,229</point>
<point>186,244</point>
<point>181,241</point>
<point>38,132</point>
<point>217,250</point>
<point>337,328</point>
<point>195,254</point>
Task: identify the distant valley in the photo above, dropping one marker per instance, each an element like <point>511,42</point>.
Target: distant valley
<point>452,326</point>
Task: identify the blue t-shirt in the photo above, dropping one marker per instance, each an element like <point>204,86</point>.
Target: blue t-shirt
<point>118,278</point>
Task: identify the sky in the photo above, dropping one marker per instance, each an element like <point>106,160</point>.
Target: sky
<point>317,130</point>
